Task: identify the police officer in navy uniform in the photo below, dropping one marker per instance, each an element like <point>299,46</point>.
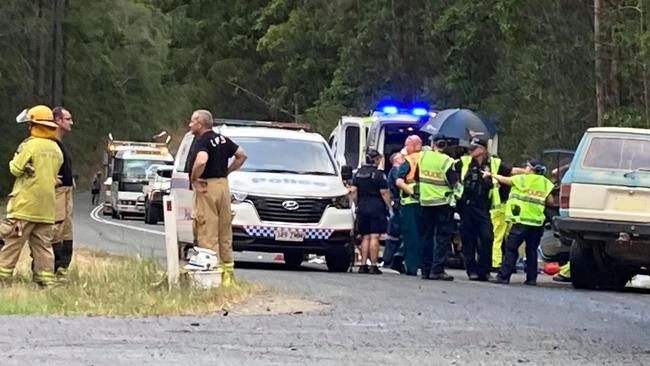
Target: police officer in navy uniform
<point>372,197</point>
<point>480,195</point>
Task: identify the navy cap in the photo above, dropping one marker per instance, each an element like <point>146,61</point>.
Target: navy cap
<point>537,165</point>
<point>437,137</point>
<point>372,153</point>
<point>476,142</point>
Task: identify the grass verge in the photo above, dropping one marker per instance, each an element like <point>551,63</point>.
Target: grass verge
<point>104,284</point>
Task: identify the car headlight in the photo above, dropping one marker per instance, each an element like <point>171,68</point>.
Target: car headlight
<point>341,202</point>
<point>236,196</point>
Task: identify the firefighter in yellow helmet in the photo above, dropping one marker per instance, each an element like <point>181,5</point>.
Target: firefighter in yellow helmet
<point>30,210</point>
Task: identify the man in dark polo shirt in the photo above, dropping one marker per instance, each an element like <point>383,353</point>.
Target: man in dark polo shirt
<point>62,243</point>
<point>211,215</point>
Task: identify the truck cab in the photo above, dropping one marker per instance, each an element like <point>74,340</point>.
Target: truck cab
<point>127,166</point>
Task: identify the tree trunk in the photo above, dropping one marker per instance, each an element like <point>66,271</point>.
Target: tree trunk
<point>644,66</point>
<point>598,65</point>
<point>42,47</point>
<point>58,52</point>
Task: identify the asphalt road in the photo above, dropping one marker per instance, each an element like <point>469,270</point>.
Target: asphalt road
<point>388,319</point>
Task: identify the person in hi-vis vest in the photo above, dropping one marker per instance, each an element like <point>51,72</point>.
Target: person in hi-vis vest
<point>529,196</point>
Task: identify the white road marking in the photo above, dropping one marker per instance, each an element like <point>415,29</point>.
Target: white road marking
<point>94,214</point>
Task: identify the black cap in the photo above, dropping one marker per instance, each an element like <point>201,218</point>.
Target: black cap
<point>476,142</point>
<point>437,137</point>
<point>372,154</point>
<point>537,165</point>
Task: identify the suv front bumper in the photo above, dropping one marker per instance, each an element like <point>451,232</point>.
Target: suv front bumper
<point>590,229</point>
<point>262,239</point>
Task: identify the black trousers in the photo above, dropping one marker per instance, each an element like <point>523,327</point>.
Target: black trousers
<point>477,236</point>
<point>436,225</point>
<point>519,233</point>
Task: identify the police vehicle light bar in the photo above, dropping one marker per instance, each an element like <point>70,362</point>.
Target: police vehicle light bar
<point>420,112</point>
<point>416,109</point>
<point>390,109</point>
<point>268,124</point>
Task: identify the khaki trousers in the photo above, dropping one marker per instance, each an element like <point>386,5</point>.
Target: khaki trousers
<point>39,237</point>
<point>212,218</point>
<point>63,214</point>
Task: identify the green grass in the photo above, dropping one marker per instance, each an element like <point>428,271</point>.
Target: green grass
<point>102,284</point>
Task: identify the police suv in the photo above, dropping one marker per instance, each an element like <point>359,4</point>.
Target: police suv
<point>288,197</point>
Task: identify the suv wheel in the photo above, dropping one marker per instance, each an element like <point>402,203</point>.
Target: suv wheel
<point>585,272</point>
<point>294,258</point>
<point>338,259</point>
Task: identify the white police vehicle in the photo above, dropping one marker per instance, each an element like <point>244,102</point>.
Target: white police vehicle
<point>288,197</point>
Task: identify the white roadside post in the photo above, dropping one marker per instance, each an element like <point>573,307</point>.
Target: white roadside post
<point>171,240</point>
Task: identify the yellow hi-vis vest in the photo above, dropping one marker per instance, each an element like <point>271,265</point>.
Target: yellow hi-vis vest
<point>495,162</point>
<point>434,187</point>
<point>527,199</point>
<point>410,179</point>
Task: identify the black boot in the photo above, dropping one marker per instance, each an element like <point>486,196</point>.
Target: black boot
<point>67,253</point>
<point>57,248</point>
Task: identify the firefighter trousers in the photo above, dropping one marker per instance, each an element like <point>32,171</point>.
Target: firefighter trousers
<point>39,237</point>
<point>212,218</point>
<point>62,242</point>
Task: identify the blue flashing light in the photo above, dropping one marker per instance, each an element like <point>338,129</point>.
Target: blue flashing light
<point>389,109</point>
<point>418,111</point>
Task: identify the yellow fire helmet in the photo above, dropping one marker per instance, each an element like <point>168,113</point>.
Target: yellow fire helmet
<point>39,114</point>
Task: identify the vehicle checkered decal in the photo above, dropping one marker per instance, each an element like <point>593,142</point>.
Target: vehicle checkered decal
<point>269,232</point>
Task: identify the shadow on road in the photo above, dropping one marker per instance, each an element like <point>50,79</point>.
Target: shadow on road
<point>267,266</point>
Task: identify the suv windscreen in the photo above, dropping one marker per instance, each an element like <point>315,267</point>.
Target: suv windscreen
<point>618,153</point>
<point>285,156</point>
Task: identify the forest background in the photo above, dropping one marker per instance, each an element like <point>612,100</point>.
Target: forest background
<point>545,70</point>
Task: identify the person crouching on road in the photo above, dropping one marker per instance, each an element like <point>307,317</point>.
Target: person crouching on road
<point>530,194</point>
<point>371,195</point>
<point>211,215</point>
<point>30,210</point>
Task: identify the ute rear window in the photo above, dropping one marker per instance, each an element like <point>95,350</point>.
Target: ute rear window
<point>618,153</point>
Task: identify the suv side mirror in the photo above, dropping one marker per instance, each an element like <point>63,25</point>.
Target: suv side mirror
<point>346,172</point>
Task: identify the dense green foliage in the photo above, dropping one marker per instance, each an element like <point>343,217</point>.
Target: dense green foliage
<point>136,66</point>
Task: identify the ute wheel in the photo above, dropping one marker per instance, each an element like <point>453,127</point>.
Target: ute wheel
<point>338,259</point>
<point>294,258</point>
<point>585,272</point>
